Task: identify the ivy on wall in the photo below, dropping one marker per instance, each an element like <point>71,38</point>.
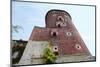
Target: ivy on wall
<point>48,56</point>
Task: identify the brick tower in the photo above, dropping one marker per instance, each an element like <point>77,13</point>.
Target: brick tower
<point>62,33</point>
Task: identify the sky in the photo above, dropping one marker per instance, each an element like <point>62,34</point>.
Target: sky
<point>29,14</point>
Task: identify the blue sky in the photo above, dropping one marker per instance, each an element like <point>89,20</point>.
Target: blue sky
<point>29,15</point>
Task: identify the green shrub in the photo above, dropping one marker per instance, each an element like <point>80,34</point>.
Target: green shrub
<point>49,56</point>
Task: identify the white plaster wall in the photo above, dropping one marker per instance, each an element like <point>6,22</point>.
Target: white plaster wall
<point>33,50</point>
<point>73,58</point>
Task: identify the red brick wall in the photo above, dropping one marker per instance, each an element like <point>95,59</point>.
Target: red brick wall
<point>66,44</point>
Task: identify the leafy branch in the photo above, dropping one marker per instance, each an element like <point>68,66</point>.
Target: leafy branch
<point>49,56</point>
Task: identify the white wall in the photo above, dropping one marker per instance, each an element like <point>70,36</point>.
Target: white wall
<point>33,50</point>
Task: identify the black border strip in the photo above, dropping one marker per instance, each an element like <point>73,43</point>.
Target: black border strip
<point>49,3</point>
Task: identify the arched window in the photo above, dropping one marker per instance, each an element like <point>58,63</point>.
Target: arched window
<point>58,24</point>
<point>77,46</point>
<point>60,18</point>
<point>69,34</point>
<point>55,50</point>
<point>54,33</point>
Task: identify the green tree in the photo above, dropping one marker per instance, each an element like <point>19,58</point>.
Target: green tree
<point>49,56</point>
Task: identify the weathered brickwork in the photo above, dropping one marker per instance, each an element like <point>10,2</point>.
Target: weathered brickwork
<point>61,32</point>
